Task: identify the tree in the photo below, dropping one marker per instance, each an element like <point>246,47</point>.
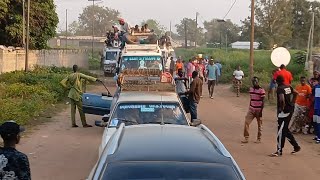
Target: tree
<point>101,17</point>
<point>217,31</point>
<point>155,25</point>
<point>315,7</point>
<point>193,33</point>
<point>3,8</point>
<point>74,28</point>
<point>43,23</point>
<point>301,23</point>
<point>274,22</point>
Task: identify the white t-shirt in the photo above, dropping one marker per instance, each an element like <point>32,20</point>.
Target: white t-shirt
<point>238,74</point>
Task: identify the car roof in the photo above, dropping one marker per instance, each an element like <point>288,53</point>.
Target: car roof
<point>172,143</point>
<point>153,96</point>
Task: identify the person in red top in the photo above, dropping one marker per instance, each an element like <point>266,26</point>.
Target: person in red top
<point>285,74</point>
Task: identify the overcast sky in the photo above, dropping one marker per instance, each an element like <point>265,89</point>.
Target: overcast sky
<point>134,11</point>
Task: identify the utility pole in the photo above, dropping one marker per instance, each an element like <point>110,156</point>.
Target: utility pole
<point>23,25</point>
<point>226,41</point>
<point>310,48</point>
<point>170,29</point>
<point>27,40</point>
<point>185,34</point>
<point>252,40</point>
<point>93,25</point>
<point>220,39</point>
<point>92,29</point>
<point>66,28</point>
<point>196,30</point>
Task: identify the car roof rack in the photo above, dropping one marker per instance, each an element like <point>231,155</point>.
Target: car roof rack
<point>146,80</point>
<point>221,148</point>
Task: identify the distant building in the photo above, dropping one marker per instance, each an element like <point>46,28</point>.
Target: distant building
<point>79,42</point>
<point>244,45</point>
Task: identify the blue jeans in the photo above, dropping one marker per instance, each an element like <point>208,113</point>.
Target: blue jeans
<point>193,110</point>
<point>185,103</point>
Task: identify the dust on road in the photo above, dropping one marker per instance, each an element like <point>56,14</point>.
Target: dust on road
<point>58,152</point>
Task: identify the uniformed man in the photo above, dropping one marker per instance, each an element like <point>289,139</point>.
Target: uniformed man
<point>74,82</point>
<point>13,164</point>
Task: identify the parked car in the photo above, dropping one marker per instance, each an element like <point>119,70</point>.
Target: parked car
<point>133,108</point>
<point>167,151</point>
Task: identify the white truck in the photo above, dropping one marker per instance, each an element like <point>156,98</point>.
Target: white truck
<point>111,57</point>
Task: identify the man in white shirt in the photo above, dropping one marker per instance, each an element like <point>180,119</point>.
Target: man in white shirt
<point>181,88</point>
<point>237,81</point>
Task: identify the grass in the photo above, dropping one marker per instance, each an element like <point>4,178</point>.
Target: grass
<point>230,59</point>
<point>26,95</point>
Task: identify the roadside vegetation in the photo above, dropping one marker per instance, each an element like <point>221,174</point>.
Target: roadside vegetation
<point>262,66</point>
<point>24,96</point>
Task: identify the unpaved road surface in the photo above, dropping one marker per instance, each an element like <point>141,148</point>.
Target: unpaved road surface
<point>58,152</point>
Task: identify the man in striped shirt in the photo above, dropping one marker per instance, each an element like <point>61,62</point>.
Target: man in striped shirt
<point>257,95</point>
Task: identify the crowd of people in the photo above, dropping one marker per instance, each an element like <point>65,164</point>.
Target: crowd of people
<point>298,109</point>
<point>190,77</point>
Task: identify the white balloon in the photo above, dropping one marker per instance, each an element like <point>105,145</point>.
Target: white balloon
<point>280,56</point>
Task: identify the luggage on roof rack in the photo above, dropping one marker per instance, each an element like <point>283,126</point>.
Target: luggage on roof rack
<point>146,80</point>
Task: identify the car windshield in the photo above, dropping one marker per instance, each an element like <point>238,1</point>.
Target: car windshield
<point>168,171</point>
<point>111,55</point>
<point>149,113</point>
<point>142,62</point>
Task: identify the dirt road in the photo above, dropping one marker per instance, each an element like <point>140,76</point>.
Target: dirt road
<point>58,152</point>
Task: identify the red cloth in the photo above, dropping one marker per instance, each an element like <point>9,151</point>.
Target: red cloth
<point>285,74</point>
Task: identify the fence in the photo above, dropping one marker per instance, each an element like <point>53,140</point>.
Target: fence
<point>15,60</point>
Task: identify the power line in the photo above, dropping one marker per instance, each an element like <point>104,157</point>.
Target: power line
<point>230,9</point>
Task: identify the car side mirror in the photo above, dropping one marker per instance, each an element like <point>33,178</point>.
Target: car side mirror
<point>106,118</point>
<point>100,124</point>
<point>196,122</point>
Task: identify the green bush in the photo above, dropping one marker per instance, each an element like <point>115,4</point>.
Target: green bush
<point>94,61</point>
<point>24,95</point>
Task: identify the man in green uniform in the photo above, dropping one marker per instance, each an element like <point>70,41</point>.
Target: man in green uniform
<point>74,82</point>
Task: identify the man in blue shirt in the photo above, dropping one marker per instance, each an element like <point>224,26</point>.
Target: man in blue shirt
<point>316,116</point>
<point>212,75</point>
<point>219,65</point>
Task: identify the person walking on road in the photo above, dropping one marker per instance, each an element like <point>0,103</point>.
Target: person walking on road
<point>219,65</point>
<point>286,97</point>
<point>172,66</point>
<point>201,71</point>
<point>257,95</point>
<point>287,76</point>
<point>272,86</point>
<point>237,79</point>
<point>212,75</point>
<point>13,164</point>
<point>181,88</point>
<point>316,116</point>
<point>74,83</point>
<point>301,106</point>
<point>194,95</point>
<point>179,65</point>
<point>190,69</point>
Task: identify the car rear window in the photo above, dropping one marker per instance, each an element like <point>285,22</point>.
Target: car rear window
<point>150,113</point>
<point>168,171</point>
